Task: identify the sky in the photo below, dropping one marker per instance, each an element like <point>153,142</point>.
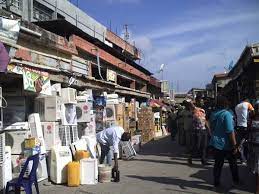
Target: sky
<point>194,39</point>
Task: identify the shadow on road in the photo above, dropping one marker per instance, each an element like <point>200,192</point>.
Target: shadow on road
<point>165,147</point>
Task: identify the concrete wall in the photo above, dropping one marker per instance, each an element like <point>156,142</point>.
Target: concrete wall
<point>70,12</point>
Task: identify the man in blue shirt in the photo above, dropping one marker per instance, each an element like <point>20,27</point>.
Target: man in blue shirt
<point>223,140</point>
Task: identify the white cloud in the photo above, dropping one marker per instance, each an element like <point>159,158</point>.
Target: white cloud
<point>203,24</point>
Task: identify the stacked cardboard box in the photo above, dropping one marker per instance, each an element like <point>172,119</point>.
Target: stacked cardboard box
<point>146,123</point>
<point>120,109</point>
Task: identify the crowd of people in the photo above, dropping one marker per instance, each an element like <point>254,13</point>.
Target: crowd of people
<point>208,128</point>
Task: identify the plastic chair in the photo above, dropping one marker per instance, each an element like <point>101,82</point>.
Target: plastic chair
<point>26,182</point>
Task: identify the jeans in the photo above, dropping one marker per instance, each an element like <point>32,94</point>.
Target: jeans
<point>106,154</point>
<point>242,134</point>
<point>219,156</point>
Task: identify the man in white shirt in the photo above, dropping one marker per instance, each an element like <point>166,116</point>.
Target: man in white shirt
<point>243,110</point>
<point>111,137</point>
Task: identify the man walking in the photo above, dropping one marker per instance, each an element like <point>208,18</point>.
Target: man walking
<point>200,133</point>
<point>243,110</point>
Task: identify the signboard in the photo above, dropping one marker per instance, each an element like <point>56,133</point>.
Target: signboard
<point>33,80</point>
<point>111,76</point>
<point>36,81</point>
<point>9,29</point>
<point>165,87</point>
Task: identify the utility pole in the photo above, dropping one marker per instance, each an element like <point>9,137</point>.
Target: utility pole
<point>126,33</point>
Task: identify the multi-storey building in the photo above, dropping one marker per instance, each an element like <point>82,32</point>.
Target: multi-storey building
<point>61,39</point>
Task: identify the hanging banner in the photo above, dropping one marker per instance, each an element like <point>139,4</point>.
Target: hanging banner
<point>36,81</point>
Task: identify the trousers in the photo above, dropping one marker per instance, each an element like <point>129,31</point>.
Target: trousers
<point>219,156</point>
<point>106,154</point>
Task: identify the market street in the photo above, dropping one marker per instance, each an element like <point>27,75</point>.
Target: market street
<point>161,168</point>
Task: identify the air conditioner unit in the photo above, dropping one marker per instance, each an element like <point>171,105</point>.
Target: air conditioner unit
<point>68,95</point>
<point>36,130</point>
<point>2,147</point>
<point>64,135</point>
<point>89,171</point>
<point>51,134</point>
<point>60,157</point>
<point>110,112</point>
<point>74,134</point>
<point>42,172</point>
<point>91,145</point>
<point>15,111</point>
<point>90,129</point>
<point>68,116</point>
<point>83,109</point>
<point>49,108</point>
<point>2,177</point>
<point>17,126</point>
<point>6,169</point>
<point>15,139</point>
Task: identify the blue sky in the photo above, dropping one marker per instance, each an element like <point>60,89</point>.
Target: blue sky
<point>193,38</point>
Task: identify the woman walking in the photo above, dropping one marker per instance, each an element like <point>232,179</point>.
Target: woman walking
<point>223,140</point>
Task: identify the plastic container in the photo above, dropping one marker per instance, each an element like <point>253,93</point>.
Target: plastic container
<point>79,155</point>
<point>105,173</point>
<point>73,174</point>
<point>89,171</point>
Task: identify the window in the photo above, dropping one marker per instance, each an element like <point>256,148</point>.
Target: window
<point>17,4</point>
<point>41,12</point>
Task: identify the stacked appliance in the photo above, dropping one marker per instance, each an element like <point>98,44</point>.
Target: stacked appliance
<point>85,115</point>
<point>36,131</point>
<point>110,111</point>
<point>5,163</point>
<point>14,137</point>
<point>68,131</point>
<point>60,157</point>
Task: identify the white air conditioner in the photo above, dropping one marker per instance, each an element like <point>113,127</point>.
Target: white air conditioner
<point>68,95</point>
<point>42,172</point>
<point>2,177</point>
<point>2,147</point>
<point>110,112</point>
<point>60,157</point>
<point>17,126</point>
<point>91,145</point>
<point>90,129</point>
<point>68,116</point>
<point>36,130</point>
<point>51,134</point>
<point>15,139</point>
<point>89,171</point>
<point>74,133</point>
<point>65,135</point>
<point>83,109</point>
<point>49,108</point>
<point>5,169</point>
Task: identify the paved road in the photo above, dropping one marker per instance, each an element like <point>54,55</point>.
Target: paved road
<point>161,168</point>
